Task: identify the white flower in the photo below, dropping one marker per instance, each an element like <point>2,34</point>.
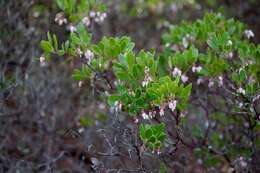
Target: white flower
<point>150,115</point>
<point>220,80</point>
<point>60,19</point>
<point>79,52</point>
<point>184,78</point>
<point>144,115</point>
<point>158,151</point>
<point>249,34</point>
<point>167,45</point>
<point>241,91</point>
<point>100,17</point>
<point>161,112</point>
<point>72,28</point>
<point>92,14</point>
<point>146,81</point>
<point>98,13</point>
<point>80,84</point>
<point>81,130</point>
<point>136,120</point>
<point>101,106</point>
<point>185,42</point>
<point>211,83</point>
<point>42,59</point>
<point>230,55</point>
<point>103,16</point>
<point>229,43</point>
<point>86,21</point>
<point>183,114</point>
<point>147,77</point>
<point>242,162</point>
<point>200,80</point>
<point>240,105</point>
<point>176,72</point>
<point>172,105</point>
<point>89,55</point>
<point>196,69</point>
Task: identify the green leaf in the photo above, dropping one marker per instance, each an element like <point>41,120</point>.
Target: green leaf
<point>142,131</point>
<point>163,168</point>
<point>148,133</point>
<point>152,138</point>
<point>112,99</point>
<point>122,75</point>
<point>130,59</point>
<point>213,42</point>
<point>86,121</point>
<point>242,75</point>
<point>77,75</point>
<point>60,4</point>
<point>55,42</point>
<point>46,46</point>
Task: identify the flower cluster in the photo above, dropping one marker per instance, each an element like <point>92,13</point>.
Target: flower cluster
<point>147,77</point>
<point>79,51</point>
<point>148,116</point>
<point>196,69</point>
<point>184,78</point>
<point>71,28</point>
<point>249,34</point>
<point>89,55</point>
<point>241,91</point>
<point>60,19</point>
<point>86,21</point>
<point>172,105</point>
<point>176,72</point>
<point>185,40</point>
<point>161,110</point>
<point>98,17</point>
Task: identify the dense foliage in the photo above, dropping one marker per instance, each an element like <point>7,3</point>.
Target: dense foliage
<point>214,55</point>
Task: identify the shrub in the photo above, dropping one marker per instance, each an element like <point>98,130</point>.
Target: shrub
<point>201,91</point>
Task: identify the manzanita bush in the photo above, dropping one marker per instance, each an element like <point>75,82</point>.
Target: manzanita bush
<point>207,69</point>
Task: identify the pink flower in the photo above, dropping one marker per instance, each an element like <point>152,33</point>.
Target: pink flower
<point>86,21</point>
<point>249,34</point>
<point>145,115</point>
<point>172,105</point>
<point>176,72</point>
<point>184,78</point>
<point>89,55</point>
<point>161,112</point>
